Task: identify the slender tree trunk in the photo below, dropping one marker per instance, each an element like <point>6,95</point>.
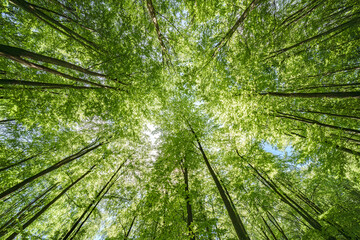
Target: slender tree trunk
<point>187,199</point>
<point>91,204</point>
<point>18,163</point>
<point>98,201</point>
<point>50,70</point>
<point>239,22</point>
<point>6,121</point>
<point>238,225</point>
<point>301,13</point>
<point>315,95</point>
<point>38,214</point>
<point>338,29</point>
<point>42,85</point>
<point>152,14</point>
<point>276,224</point>
<point>50,169</point>
<point>344,149</point>
<point>11,222</point>
<point>131,225</point>
<point>331,114</point>
<point>269,228</point>
<point>289,201</point>
<point>55,24</point>
<point>311,121</point>
<point>22,53</point>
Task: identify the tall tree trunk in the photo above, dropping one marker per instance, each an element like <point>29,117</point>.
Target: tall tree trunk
<point>11,222</point>
<point>73,227</point>
<point>269,228</point>
<point>50,169</point>
<point>42,85</point>
<point>131,225</point>
<point>237,223</point>
<point>239,22</point>
<point>98,201</point>
<point>22,53</point>
<point>331,114</point>
<point>276,224</point>
<point>355,94</point>
<point>55,24</point>
<point>289,201</point>
<point>311,121</point>
<point>344,149</point>
<point>38,214</point>
<point>50,70</point>
<point>187,199</point>
<point>152,14</point>
<point>18,163</point>
<point>340,28</point>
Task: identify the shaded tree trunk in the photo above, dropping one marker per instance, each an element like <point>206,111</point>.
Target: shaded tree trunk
<point>18,163</point>
<point>11,222</point>
<point>42,85</point>
<point>184,169</point>
<point>55,24</point>
<point>38,214</point>
<point>22,53</point>
<point>50,169</point>
<point>237,223</point>
<point>73,227</point>
<point>315,95</point>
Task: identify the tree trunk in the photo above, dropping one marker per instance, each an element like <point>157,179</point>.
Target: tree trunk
<point>11,222</point>
<point>50,70</point>
<point>340,28</point>
<point>187,199</point>
<point>22,53</point>
<point>41,84</point>
<point>152,14</point>
<point>131,225</point>
<point>15,164</point>
<point>50,169</point>
<point>238,225</point>
<point>289,201</point>
<point>38,214</point>
<point>55,24</point>
<point>331,114</point>
<point>311,121</point>
<point>269,228</point>
<point>239,22</point>
<point>91,204</point>
<point>100,198</point>
<point>315,95</point>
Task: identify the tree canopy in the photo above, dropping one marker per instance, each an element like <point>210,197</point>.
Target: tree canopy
<point>163,119</point>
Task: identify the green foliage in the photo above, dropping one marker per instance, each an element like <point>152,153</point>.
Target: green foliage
<point>250,92</point>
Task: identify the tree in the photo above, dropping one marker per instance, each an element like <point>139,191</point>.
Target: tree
<point>204,119</point>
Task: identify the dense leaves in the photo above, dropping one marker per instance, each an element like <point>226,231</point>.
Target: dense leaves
<point>172,119</point>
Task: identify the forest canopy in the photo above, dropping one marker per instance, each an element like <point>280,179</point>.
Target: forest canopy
<point>165,119</point>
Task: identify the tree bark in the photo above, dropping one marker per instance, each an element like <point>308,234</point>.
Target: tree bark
<point>98,201</point>
<point>315,95</point>
<point>50,169</point>
<point>311,121</point>
<point>54,24</point>
<point>38,214</point>
<point>11,222</point>
<point>238,225</point>
<point>73,227</point>
<point>42,85</point>
<point>187,199</point>
<point>50,70</point>
<point>240,21</point>
<point>22,53</point>
<point>15,164</point>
